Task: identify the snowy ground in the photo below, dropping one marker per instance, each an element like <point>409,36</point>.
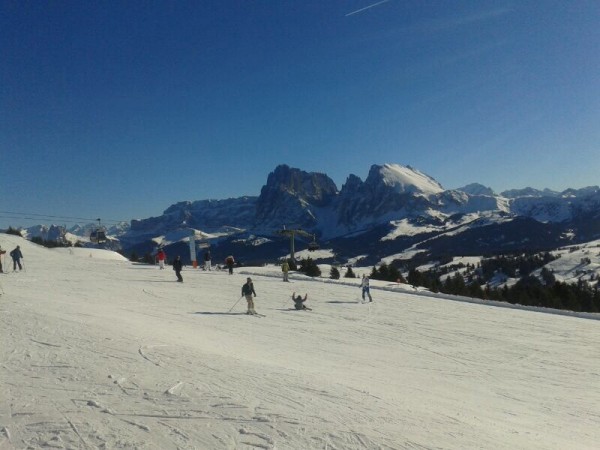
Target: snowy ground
<point>101,353</point>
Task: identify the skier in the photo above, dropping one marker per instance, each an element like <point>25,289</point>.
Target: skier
<point>16,255</point>
<point>299,301</point>
<point>229,261</point>
<point>285,268</point>
<point>177,266</point>
<point>207,260</point>
<point>2,252</point>
<point>365,288</point>
<point>161,258</point>
<point>248,291</point>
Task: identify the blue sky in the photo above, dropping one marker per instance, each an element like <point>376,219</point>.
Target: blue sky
<point>119,109</point>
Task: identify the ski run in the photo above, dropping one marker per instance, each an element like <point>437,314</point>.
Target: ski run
<point>98,352</point>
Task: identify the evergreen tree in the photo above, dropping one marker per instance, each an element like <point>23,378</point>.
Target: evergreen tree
<point>334,273</point>
<point>384,272</point>
<point>14,231</point>
<point>134,256</point>
<point>349,273</point>
<point>309,267</point>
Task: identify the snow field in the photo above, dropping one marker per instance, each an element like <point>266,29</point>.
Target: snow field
<point>101,353</point>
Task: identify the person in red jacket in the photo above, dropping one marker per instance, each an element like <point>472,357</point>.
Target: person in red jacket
<point>161,258</point>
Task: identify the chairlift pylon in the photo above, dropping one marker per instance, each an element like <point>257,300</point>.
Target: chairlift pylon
<point>313,245</point>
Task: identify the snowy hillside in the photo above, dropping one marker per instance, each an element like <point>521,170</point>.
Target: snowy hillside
<point>98,352</point>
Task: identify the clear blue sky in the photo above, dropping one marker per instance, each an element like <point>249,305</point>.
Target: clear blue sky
<point>117,109</point>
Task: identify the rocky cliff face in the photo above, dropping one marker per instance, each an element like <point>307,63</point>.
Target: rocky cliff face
<point>391,192</point>
<point>291,197</point>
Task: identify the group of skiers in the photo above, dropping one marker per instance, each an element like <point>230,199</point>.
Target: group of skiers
<point>248,290</point>
<point>16,256</point>
<point>161,256</point>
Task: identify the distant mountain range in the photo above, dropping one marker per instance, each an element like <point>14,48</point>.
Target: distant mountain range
<point>397,212</point>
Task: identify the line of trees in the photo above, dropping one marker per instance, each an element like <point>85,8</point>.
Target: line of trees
<point>528,291</point>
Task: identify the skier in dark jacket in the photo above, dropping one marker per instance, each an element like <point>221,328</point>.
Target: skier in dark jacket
<point>299,301</point>
<point>207,259</point>
<point>177,266</point>
<point>248,292</point>
<point>229,261</point>
<point>16,255</point>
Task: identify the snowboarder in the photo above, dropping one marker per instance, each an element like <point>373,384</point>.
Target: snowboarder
<point>285,268</point>
<point>177,266</point>
<point>161,258</point>
<point>207,260</point>
<point>2,252</point>
<point>16,255</point>
<point>365,288</point>
<point>248,292</point>
<point>299,301</point>
<point>229,262</point>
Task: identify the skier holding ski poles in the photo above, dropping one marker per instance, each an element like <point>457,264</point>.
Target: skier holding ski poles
<point>248,292</point>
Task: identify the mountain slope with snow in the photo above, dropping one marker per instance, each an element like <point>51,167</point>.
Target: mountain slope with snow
<point>98,352</point>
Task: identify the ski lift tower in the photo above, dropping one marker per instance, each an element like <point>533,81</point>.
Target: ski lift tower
<point>292,235</point>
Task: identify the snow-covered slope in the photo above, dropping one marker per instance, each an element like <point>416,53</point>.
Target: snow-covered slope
<point>101,353</point>
<point>407,179</point>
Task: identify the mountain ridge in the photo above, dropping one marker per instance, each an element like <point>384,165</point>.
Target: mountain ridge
<point>392,198</point>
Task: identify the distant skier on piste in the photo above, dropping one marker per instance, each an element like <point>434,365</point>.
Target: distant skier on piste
<point>2,252</point>
<point>177,267</point>
<point>207,259</point>
<point>249,292</point>
<point>16,256</point>
<point>365,288</point>
<point>285,268</point>
<point>229,262</point>
<point>299,302</point>
<point>161,255</point>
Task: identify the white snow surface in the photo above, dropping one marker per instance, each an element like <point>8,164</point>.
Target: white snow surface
<point>408,179</point>
<point>98,352</point>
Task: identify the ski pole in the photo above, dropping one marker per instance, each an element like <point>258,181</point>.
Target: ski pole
<point>230,309</point>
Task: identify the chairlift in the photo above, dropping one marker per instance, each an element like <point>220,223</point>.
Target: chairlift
<point>98,236</point>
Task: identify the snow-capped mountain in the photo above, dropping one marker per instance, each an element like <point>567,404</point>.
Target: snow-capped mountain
<point>396,208</point>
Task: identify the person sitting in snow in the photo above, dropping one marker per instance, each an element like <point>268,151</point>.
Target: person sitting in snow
<point>299,301</point>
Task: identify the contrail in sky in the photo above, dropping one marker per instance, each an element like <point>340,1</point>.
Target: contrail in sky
<point>366,7</point>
